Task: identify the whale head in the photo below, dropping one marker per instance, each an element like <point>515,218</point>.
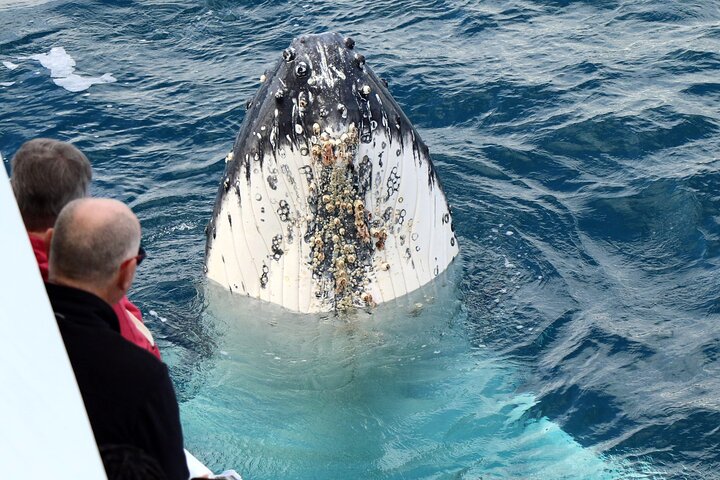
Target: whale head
<point>329,199</point>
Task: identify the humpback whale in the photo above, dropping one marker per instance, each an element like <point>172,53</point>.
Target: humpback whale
<point>329,199</point>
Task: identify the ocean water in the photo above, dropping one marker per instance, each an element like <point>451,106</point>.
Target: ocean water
<point>576,336</point>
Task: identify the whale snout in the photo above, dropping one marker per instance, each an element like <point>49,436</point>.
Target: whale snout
<point>330,200</point>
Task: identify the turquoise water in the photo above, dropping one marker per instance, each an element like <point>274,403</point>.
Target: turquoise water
<point>577,142</point>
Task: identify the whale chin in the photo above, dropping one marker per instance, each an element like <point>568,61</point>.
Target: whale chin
<point>329,200</point>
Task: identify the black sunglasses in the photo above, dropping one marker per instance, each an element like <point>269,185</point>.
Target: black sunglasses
<point>138,258</point>
<point>141,255</point>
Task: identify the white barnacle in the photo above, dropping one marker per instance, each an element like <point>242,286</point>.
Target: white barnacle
<point>366,90</point>
<point>316,128</point>
<point>229,157</point>
<point>385,266</point>
<point>298,129</point>
<point>263,78</point>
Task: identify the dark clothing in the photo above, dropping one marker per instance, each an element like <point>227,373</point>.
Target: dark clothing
<point>126,390</point>
<point>122,309</point>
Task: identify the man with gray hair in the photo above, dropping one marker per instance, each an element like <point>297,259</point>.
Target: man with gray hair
<point>128,395</point>
<point>46,175</point>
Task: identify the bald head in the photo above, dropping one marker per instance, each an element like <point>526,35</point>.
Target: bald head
<point>92,238</point>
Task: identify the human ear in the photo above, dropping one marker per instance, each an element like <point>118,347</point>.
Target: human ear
<point>47,237</point>
<point>126,275</point>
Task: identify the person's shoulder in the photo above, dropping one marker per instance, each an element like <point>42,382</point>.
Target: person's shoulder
<point>146,366</point>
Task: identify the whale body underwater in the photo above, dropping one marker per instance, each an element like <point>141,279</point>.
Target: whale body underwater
<point>329,200</point>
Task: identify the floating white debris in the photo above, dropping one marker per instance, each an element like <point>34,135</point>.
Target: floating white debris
<point>76,83</point>
<point>57,61</point>
<point>62,68</point>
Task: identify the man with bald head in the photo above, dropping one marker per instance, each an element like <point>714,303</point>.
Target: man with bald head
<point>128,395</point>
<point>46,175</point>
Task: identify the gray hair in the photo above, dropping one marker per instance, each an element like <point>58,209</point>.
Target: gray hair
<point>88,249</point>
<point>46,175</point>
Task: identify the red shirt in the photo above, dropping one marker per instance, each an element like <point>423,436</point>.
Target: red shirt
<point>127,328</point>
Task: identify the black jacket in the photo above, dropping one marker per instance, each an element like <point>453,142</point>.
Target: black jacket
<point>127,391</point>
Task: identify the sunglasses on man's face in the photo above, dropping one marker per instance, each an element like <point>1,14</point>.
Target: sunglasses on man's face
<point>141,255</point>
<point>138,258</point>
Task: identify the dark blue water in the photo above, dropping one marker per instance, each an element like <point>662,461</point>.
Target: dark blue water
<point>578,143</point>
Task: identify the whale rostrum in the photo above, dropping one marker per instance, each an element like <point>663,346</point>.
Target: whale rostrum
<point>329,199</point>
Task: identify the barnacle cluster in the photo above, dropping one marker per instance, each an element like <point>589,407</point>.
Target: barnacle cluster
<point>341,242</point>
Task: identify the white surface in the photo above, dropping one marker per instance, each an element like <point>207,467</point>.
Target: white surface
<point>195,466</point>
<point>44,425</point>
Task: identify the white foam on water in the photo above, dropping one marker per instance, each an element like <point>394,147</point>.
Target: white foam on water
<point>62,71</point>
<point>153,313</point>
<point>9,65</point>
<point>6,84</point>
